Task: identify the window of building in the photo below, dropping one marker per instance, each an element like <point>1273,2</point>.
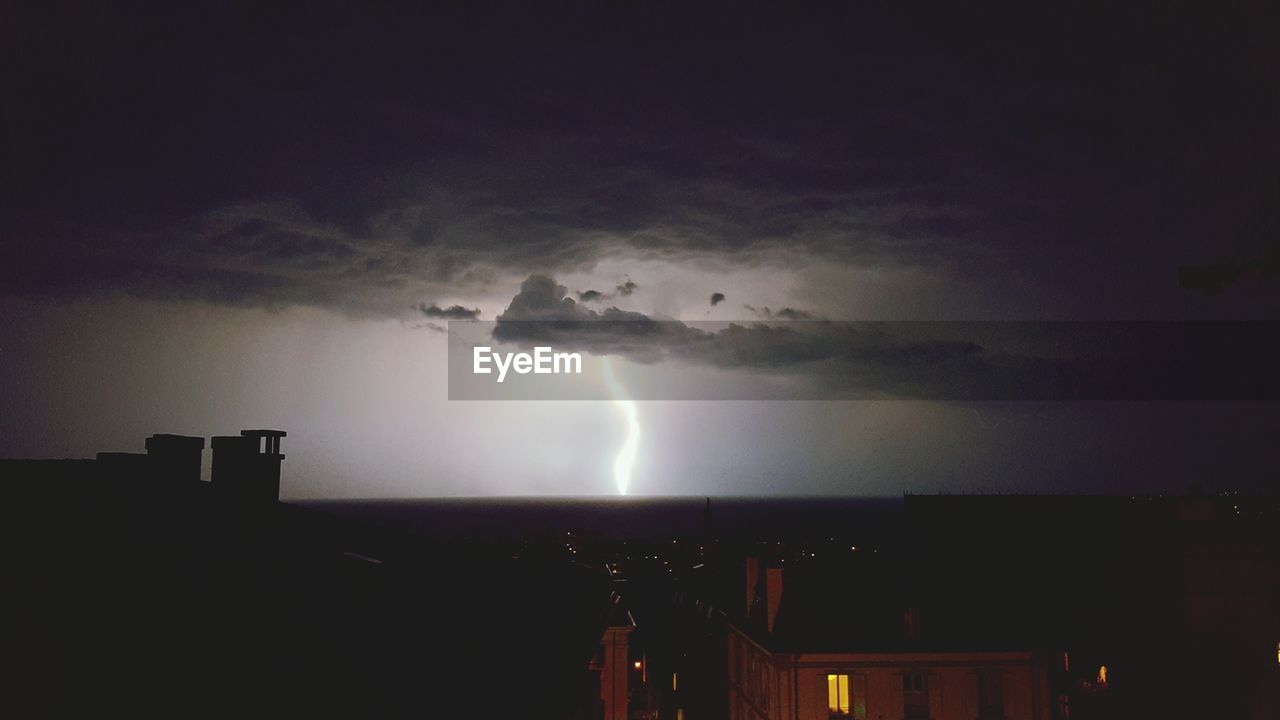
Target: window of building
<point>763,684</point>
<point>990,695</point>
<point>736,650</point>
<point>915,696</point>
<point>838,696</point>
<point>675,681</point>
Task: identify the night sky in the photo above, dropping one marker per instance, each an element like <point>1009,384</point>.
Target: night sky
<point>220,216</point>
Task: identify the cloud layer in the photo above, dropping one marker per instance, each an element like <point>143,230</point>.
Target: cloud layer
<point>957,361</point>
<point>427,154</point>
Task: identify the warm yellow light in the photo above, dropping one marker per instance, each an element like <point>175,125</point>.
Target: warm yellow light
<point>636,664</point>
<point>1102,675</point>
<point>838,694</point>
<point>675,681</point>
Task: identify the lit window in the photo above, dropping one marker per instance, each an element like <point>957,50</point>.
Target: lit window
<point>1102,676</point>
<point>838,695</point>
<point>675,681</point>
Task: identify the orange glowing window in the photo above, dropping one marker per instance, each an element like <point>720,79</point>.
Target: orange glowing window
<point>838,695</point>
<point>675,681</point>
<point>1102,676</point>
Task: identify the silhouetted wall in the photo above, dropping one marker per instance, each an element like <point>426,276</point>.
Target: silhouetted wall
<point>176,458</point>
<point>247,466</point>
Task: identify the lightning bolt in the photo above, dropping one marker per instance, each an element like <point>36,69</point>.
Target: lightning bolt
<point>626,459</point>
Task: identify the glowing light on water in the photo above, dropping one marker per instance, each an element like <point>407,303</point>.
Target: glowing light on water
<point>626,460</point>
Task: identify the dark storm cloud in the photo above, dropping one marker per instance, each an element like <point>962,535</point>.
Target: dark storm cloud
<point>716,299</point>
<point>460,236</point>
<point>269,241</point>
<point>453,312</point>
<point>948,361</point>
<point>785,313</point>
<point>363,165</point>
<point>591,296</point>
<point>542,313</point>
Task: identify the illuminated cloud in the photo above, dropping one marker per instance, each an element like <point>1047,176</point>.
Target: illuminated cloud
<point>960,361</point>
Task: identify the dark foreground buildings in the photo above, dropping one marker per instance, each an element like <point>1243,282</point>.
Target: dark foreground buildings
<point>133,586</point>
<point>975,608</point>
<point>1020,608</point>
<point>135,589</point>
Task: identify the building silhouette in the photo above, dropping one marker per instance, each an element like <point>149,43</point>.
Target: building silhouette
<point>247,466</point>
<point>142,586</point>
<point>842,640</point>
<point>176,457</point>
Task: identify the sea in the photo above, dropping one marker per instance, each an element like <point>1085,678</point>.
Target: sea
<point>627,518</point>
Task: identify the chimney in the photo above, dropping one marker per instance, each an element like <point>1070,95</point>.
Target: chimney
<point>773,593</point>
<point>247,466</point>
<point>175,458</point>
<point>764,592</point>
